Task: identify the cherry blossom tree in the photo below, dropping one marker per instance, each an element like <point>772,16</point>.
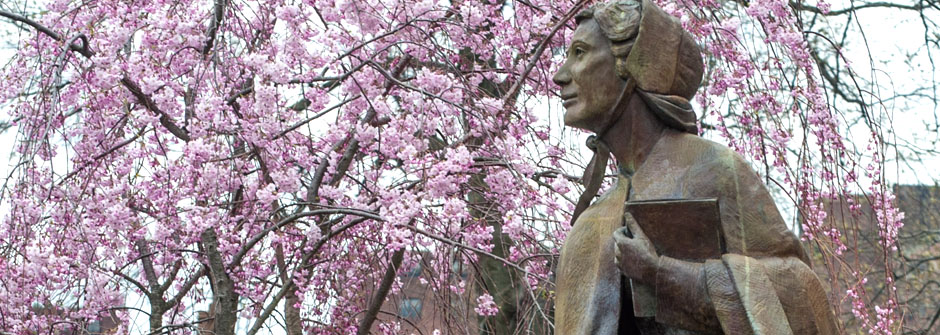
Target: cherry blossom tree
<point>280,162</point>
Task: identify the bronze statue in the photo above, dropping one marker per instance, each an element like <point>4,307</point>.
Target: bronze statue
<point>630,72</point>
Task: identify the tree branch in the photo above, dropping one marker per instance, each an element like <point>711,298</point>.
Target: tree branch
<point>384,287</point>
<point>140,286</point>
<point>31,23</point>
<point>103,154</point>
<point>148,102</point>
<point>516,86</point>
<point>177,266</point>
<point>258,237</point>
<point>187,286</point>
<point>290,286</point>
<point>217,16</point>
<point>813,9</point>
<point>321,113</point>
<point>82,49</point>
<point>149,272</point>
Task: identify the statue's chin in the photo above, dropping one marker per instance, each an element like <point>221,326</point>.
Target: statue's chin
<point>576,120</point>
<point>572,119</point>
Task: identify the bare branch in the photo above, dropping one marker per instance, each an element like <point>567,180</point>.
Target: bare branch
<point>800,6</point>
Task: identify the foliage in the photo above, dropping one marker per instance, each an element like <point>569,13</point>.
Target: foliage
<point>285,159</point>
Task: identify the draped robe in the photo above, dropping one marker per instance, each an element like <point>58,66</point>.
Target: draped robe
<point>762,285</point>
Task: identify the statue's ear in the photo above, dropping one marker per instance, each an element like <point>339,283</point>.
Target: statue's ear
<point>621,50</point>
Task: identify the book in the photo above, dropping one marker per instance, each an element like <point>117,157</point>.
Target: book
<point>685,229</point>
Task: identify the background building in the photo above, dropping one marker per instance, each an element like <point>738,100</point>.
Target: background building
<point>916,272</point>
<point>423,308</point>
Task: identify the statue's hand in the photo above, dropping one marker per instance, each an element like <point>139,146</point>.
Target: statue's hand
<point>635,256</point>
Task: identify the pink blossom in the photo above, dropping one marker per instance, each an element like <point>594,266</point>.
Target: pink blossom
<point>486,306</point>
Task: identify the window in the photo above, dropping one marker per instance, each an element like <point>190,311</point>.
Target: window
<point>458,269</point>
<point>413,272</point>
<point>94,327</point>
<point>410,308</point>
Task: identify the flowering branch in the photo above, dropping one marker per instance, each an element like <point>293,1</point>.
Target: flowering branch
<point>132,86</point>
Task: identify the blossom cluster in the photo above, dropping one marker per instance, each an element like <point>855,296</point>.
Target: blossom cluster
<point>286,151</point>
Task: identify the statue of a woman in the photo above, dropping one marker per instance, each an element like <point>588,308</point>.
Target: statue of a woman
<point>630,72</point>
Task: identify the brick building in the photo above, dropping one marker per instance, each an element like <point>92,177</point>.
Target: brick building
<point>422,308</point>
<point>916,272</point>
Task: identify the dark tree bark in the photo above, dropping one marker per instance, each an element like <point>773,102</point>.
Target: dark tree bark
<point>224,297</point>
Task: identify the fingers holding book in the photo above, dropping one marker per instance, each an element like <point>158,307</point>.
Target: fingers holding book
<point>635,256</point>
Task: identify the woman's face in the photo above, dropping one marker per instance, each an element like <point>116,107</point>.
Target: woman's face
<point>589,82</point>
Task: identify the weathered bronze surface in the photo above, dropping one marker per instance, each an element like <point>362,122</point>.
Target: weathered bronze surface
<point>630,73</point>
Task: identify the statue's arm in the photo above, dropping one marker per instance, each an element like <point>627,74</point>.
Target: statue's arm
<point>691,295</point>
<point>682,295</point>
<point>741,294</point>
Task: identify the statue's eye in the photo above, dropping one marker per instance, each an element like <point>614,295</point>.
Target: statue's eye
<point>578,52</point>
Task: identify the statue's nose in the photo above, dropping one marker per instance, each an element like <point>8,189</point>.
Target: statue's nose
<point>562,77</point>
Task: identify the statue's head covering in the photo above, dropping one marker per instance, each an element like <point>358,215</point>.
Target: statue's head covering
<point>658,54</point>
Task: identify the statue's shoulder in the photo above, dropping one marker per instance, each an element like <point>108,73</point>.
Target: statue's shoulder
<point>702,152</point>
<point>708,164</point>
<point>722,168</point>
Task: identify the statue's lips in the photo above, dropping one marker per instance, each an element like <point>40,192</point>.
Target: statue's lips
<point>568,100</point>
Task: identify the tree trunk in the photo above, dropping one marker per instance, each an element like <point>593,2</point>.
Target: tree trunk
<point>224,296</point>
<point>156,317</point>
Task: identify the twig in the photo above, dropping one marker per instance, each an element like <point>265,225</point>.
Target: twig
<point>314,117</point>
<point>290,286</point>
<point>258,237</point>
<point>187,286</point>
<point>103,154</point>
<point>853,8</point>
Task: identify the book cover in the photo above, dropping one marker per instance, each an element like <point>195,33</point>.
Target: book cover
<point>686,229</point>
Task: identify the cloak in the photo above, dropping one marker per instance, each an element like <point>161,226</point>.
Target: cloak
<point>764,284</point>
